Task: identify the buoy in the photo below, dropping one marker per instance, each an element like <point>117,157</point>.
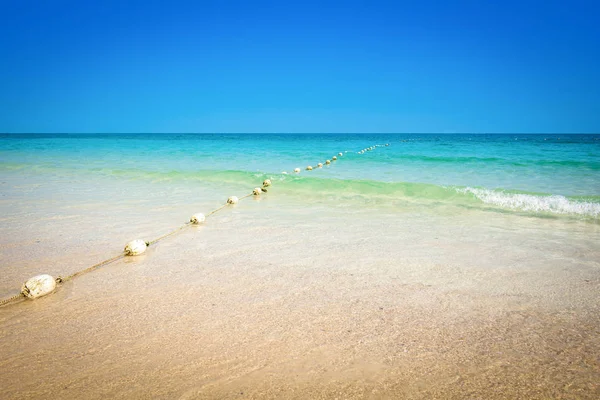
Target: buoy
<point>387,144</point>
<point>257,191</point>
<point>309,168</point>
<point>232,200</point>
<point>320,165</point>
<point>135,247</point>
<point>334,158</point>
<point>38,286</point>
<point>267,182</point>
<point>197,218</point>
<point>340,154</point>
<point>297,170</point>
<point>327,162</point>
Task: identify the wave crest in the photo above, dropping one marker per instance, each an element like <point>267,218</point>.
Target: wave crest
<point>555,204</point>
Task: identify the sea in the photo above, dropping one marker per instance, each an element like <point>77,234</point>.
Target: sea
<point>546,175</point>
<point>422,264</point>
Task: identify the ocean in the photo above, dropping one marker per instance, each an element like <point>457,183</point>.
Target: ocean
<point>414,265</point>
<point>545,175</point>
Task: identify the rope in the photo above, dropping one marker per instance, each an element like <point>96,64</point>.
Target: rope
<point>11,299</point>
<point>93,267</point>
<point>214,211</point>
<point>169,234</point>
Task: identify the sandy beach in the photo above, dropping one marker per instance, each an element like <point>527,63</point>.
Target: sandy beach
<point>276,298</point>
<point>429,228</point>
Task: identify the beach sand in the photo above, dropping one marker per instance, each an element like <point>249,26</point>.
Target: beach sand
<point>276,298</point>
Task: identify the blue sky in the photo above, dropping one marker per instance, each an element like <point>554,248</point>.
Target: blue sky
<point>286,66</point>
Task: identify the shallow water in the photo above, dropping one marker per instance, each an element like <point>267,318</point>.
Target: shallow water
<point>329,285</point>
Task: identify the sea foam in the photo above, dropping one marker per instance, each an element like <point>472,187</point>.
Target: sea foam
<point>555,204</point>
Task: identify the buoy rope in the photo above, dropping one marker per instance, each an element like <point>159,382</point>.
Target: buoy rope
<point>189,223</point>
<point>122,255</point>
<point>168,234</point>
<point>59,280</point>
<point>217,210</point>
<point>115,258</point>
<point>12,299</point>
<point>93,267</point>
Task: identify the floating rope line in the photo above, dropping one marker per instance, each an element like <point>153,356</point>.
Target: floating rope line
<point>216,211</point>
<point>13,299</point>
<point>168,234</point>
<point>93,267</point>
<point>41,285</point>
<point>335,158</point>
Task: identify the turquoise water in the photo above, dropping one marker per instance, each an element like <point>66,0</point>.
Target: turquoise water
<point>546,175</point>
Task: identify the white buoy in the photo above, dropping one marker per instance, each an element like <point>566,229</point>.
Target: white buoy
<point>38,286</point>
<point>232,200</point>
<point>135,247</point>
<point>257,191</point>
<point>309,168</point>
<point>284,173</point>
<point>340,154</point>
<point>387,144</point>
<point>333,158</point>
<point>197,218</point>
<point>320,165</point>
<point>267,182</point>
<point>328,162</point>
<point>297,170</point>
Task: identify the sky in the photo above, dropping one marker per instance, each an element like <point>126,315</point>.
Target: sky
<point>300,66</point>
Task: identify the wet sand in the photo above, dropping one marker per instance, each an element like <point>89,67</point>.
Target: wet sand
<point>279,299</point>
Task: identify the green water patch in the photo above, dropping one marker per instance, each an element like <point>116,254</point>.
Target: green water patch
<point>364,192</point>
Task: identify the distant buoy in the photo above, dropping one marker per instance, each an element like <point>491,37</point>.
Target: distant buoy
<point>333,158</point>
<point>197,218</point>
<point>327,162</point>
<point>297,170</point>
<point>320,165</point>
<point>257,191</point>
<point>340,154</point>
<point>232,200</point>
<point>135,247</point>
<point>38,286</point>
<point>387,144</point>
<point>309,168</point>
<point>267,182</point>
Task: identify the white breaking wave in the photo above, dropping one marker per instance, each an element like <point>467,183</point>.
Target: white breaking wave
<point>555,204</point>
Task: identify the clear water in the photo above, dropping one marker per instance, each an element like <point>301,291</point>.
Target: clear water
<point>437,266</point>
<point>548,175</point>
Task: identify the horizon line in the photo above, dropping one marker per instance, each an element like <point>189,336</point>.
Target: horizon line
<point>299,133</point>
